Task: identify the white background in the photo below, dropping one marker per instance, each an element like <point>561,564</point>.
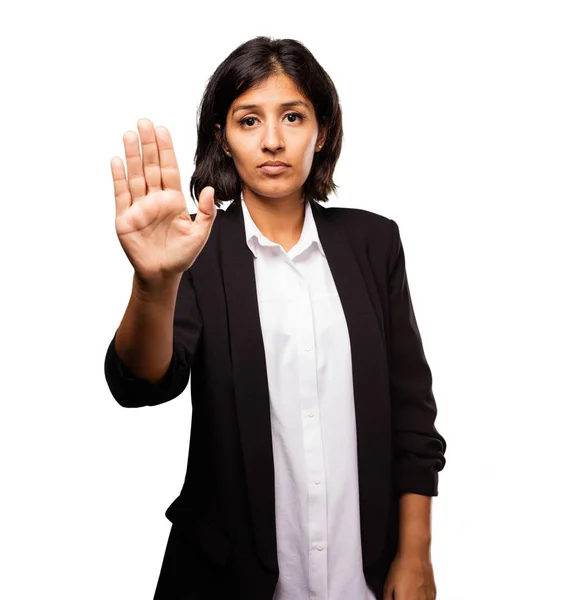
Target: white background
<point>455,119</point>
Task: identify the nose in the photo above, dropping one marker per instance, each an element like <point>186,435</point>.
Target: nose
<point>273,139</point>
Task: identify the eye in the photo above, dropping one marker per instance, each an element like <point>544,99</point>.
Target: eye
<point>242,121</point>
<point>297,116</point>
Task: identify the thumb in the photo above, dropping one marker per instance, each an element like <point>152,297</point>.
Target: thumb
<point>207,209</point>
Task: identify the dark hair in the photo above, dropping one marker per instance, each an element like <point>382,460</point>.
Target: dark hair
<point>248,65</point>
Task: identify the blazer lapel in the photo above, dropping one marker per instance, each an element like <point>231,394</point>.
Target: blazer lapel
<point>250,380</point>
<point>251,383</point>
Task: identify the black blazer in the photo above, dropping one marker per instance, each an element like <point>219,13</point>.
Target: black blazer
<point>222,542</point>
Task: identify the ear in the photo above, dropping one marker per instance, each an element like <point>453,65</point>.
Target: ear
<point>218,133</point>
<point>322,136</point>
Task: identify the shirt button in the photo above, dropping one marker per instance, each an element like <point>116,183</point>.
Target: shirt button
<point>320,546</point>
<point>307,349</point>
<point>317,481</point>
<point>311,414</point>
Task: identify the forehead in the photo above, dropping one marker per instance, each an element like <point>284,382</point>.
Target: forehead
<point>276,90</point>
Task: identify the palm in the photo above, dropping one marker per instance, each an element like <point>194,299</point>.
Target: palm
<point>155,232</point>
<point>153,211</point>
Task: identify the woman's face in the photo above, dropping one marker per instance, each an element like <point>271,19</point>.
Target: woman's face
<point>278,123</point>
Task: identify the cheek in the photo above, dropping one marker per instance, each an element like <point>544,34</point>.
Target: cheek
<point>247,155</point>
<point>307,159</point>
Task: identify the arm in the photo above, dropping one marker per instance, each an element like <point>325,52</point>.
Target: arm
<point>411,572</point>
<point>415,525</point>
<point>418,448</point>
<point>149,359</point>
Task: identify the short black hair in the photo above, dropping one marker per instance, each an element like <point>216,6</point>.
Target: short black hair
<point>248,65</point>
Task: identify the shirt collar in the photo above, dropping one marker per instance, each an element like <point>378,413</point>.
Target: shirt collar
<point>254,236</point>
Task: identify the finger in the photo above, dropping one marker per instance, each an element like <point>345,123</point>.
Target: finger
<point>136,178</point>
<point>150,156</point>
<point>170,178</point>
<point>121,191</point>
<point>206,209</point>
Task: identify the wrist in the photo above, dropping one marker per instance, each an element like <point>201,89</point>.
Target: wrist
<point>415,548</point>
<point>159,288</point>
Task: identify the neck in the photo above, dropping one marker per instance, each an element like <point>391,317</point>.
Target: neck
<point>279,219</point>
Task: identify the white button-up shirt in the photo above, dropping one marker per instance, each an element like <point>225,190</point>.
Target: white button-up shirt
<point>307,349</point>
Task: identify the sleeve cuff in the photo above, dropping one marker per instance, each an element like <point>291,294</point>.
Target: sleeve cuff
<point>132,391</point>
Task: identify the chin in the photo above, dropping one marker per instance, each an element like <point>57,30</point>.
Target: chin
<point>275,190</point>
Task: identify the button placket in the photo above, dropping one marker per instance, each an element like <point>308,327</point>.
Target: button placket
<point>312,436</point>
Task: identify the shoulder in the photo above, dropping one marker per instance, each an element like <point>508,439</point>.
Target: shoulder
<point>360,216</point>
<point>373,227</point>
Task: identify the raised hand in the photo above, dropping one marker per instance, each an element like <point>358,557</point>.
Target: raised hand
<point>153,225</point>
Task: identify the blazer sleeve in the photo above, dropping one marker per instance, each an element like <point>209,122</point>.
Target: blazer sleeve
<point>131,391</point>
<point>418,448</point>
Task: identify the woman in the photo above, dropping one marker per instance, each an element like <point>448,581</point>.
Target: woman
<point>313,454</point>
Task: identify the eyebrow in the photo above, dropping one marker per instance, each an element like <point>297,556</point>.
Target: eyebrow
<point>283,105</point>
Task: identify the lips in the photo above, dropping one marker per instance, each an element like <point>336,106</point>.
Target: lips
<point>274,163</point>
<point>273,169</point>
